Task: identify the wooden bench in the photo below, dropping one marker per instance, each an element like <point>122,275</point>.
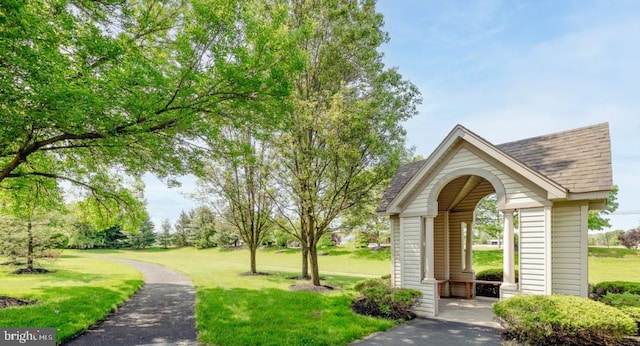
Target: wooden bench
<point>440,283</point>
<point>469,285</point>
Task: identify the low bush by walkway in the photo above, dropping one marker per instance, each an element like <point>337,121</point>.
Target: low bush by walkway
<point>378,298</point>
<point>562,320</point>
<point>622,295</point>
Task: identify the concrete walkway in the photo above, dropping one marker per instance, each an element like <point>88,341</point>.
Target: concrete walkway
<point>476,311</point>
<point>160,313</point>
<point>434,332</point>
<point>459,322</point>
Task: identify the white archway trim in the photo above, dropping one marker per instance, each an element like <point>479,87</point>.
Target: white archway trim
<point>432,202</point>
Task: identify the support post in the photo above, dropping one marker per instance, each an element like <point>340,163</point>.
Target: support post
<point>509,275</point>
<point>468,263</point>
<point>430,269</point>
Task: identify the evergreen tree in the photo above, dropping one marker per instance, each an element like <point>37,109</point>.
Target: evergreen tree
<point>164,238</point>
<point>144,237</point>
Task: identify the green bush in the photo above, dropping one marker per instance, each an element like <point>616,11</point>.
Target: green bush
<point>564,320</point>
<point>362,239</point>
<point>325,241</point>
<point>378,298</point>
<point>619,300</point>
<point>602,288</point>
<point>634,313</point>
<point>626,302</point>
<point>494,274</point>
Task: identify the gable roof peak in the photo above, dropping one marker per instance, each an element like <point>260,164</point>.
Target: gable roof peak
<point>577,160</point>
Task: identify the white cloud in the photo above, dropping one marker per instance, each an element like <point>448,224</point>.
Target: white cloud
<point>580,67</point>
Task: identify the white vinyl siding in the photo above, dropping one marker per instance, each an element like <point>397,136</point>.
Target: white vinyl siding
<point>569,249</point>
<point>516,192</point>
<point>396,265</point>
<point>411,253</point>
<point>533,251</point>
<point>411,258</point>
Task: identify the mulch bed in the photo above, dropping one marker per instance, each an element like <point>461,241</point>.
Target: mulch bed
<point>7,302</point>
<point>254,274</point>
<point>311,288</point>
<point>12,263</point>
<point>31,271</point>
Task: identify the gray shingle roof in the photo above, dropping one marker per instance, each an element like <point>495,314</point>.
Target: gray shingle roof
<point>579,160</point>
<point>399,180</point>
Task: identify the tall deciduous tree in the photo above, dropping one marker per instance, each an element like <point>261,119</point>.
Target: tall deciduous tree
<point>487,218</point>
<point>597,220</point>
<point>91,91</point>
<point>364,220</point>
<point>345,135</point>
<point>241,185</point>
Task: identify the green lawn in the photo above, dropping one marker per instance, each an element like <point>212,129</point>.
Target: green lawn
<point>613,264</point>
<point>484,259</point>
<point>233,309</point>
<point>605,264</point>
<point>78,292</point>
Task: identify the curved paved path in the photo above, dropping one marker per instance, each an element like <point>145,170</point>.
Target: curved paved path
<point>160,313</point>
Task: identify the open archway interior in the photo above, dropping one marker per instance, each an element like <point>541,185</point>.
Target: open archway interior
<point>453,228</point>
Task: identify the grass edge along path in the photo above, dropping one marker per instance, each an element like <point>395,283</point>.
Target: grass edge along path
<point>233,309</point>
<point>78,293</point>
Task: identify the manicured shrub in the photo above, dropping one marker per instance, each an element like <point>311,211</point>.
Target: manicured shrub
<point>626,302</point>
<point>490,275</point>
<point>562,320</point>
<point>602,288</point>
<point>634,313</point>
<point>378,298</point>
<point>619,300</point>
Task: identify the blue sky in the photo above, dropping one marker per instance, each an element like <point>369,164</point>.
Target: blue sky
<point>509,70</point>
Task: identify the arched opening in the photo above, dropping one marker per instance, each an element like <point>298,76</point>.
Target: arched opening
<point>454,224</point>
<point>453,232</point>
<point>488,227</point>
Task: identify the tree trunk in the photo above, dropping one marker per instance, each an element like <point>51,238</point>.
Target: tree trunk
<point>29,247</point>
<point>305,262</point>
<point>253,249</point>
<point>304,245</point>
<point>315,271</point>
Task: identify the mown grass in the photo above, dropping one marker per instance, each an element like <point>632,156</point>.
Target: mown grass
<point>220,267</point>
<point>235,309</point>
<point>74,296</point>
<point>605,264</point>
<point>613,264</point>
<point>615,252</point>
<point>484,259</point>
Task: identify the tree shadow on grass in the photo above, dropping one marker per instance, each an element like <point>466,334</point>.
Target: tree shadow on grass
<point>279,317</point>
<point>68,309</point>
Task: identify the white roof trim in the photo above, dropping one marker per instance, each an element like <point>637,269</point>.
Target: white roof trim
<point>554,190</point>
